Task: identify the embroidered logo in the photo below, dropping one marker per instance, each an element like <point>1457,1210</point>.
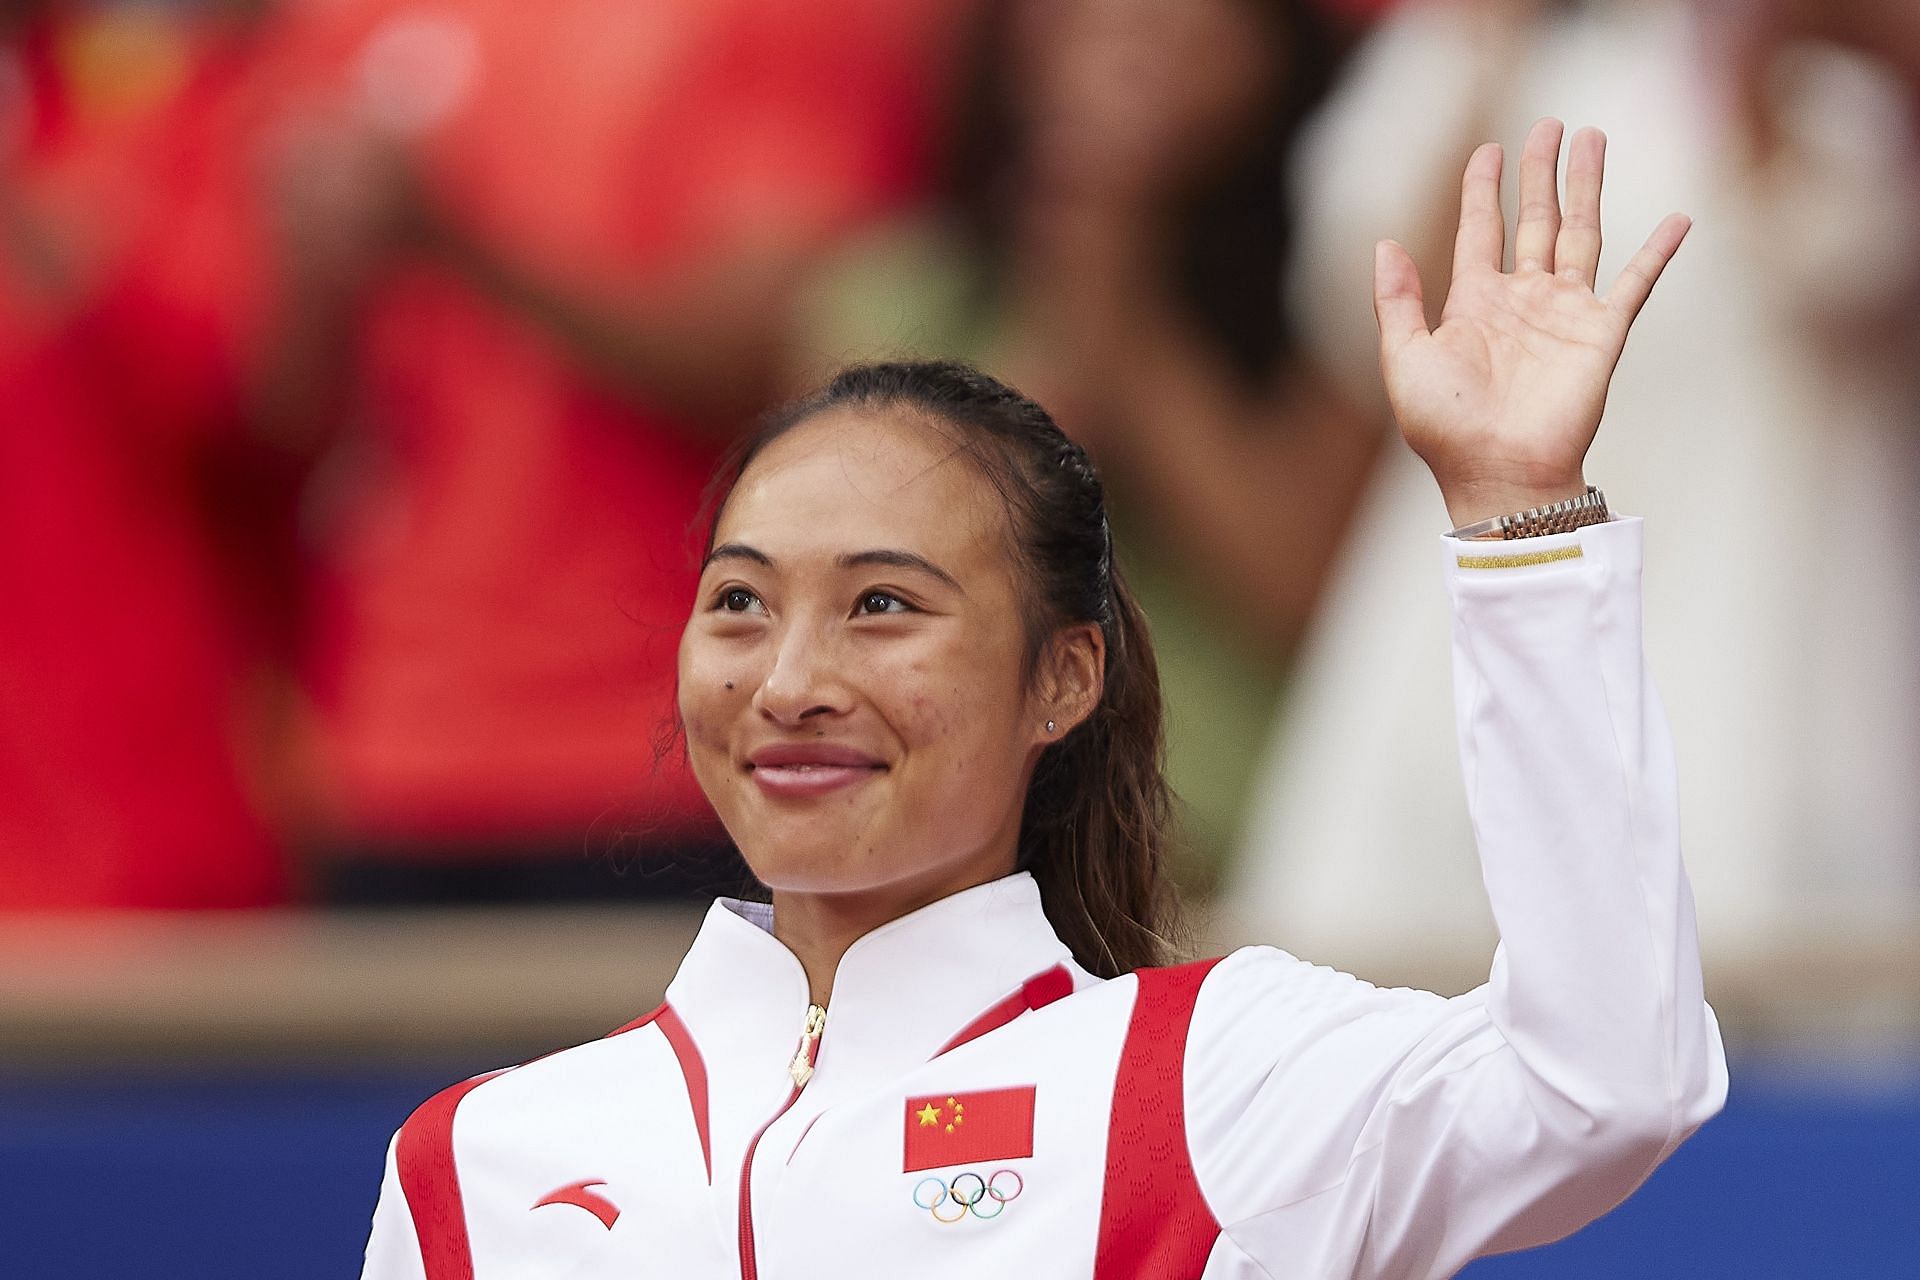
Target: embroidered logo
<point>967,1128</point>
<point>968,1194</point>
<point>576,1193</point>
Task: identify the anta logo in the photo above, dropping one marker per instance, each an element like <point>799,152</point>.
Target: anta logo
<point>577,1193</point>
<point>968,1195</point>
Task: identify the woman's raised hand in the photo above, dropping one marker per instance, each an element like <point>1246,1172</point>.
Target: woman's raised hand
<point>1503,398</point>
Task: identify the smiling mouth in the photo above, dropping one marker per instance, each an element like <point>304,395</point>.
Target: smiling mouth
<point>808,779</point>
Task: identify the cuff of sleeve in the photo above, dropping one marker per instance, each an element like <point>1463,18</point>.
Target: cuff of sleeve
<point>1615,543</point>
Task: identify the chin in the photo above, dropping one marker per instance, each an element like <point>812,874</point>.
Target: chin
<point>814,867</point>
<point>791,856</point>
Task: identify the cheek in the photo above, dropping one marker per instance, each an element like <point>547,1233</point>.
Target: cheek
<point>957,712</point>
<point>924,700</point>
<point>932,713</point>
<point>706,704</point>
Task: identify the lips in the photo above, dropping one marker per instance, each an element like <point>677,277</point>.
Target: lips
<point>810,768</point>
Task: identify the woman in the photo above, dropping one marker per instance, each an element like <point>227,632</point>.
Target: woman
<point>923,703</point>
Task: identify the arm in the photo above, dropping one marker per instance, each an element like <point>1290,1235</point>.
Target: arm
<point>1423,1132</point>
<point>711,344</point>
<point>1224,470</point>
<point>707,345</point>
<point>1420,1132</point>
<point>1227,475</point>
<point>341,220</point>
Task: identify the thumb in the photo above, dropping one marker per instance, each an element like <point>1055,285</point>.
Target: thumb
<point>1398,303</point>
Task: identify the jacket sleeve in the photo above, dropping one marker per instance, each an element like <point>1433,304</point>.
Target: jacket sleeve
<point>393,1251</point>
<point>1341,1129</point>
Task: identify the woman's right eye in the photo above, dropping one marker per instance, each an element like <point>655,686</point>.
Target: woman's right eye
<point>737,600</point>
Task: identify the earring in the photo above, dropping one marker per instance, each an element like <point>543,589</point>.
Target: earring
<point>1049,726</point>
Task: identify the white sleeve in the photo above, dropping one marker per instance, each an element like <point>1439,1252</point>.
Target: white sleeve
<point>393,1250</point>
<point>1338,1129</point>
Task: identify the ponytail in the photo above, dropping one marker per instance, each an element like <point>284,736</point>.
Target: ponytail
<point>1094,831</point>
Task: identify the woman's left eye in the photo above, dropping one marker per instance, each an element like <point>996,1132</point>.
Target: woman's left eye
<point>883,602</point>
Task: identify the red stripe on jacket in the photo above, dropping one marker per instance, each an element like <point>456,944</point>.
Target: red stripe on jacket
<point>693,1069</point>
<point>424,1158</point>
<point>1037,992</point>
<point>1154,1223</point>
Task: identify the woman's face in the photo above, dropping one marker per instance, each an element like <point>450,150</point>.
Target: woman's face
<point>851,677</point>
<point>1140,95</point>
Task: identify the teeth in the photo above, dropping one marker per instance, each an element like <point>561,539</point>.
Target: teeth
<point>809,767</point>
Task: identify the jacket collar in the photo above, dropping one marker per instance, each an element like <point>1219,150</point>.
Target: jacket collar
<point>901,992</point>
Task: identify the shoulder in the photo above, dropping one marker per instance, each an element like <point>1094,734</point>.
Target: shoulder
<point>1263,1015</point>
<point>509,1105</point>
<point>1269,980</point>
<point>485,1151</point>
<point>1255,997</point>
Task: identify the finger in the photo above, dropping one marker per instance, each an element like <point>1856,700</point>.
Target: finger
<point>1482,238</point>
<point>1539,196</point>
<point>1398,302</point>
<point>1636,280</point>
<point>1576,254</point>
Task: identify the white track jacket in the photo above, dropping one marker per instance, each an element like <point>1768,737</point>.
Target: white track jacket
<point>976,1106</point>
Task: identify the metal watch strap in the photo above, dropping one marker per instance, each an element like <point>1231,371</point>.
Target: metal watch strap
<point>1558,517</point>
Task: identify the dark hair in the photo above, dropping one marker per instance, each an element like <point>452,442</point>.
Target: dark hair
<point>1094,827</point>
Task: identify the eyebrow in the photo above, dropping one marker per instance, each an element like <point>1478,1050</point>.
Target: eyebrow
<point>889,557</point>
<point>737,551</point>
<point>899,560</point>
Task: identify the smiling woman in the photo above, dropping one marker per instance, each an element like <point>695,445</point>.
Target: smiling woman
<point>913,668</point>
<point>916,689</point>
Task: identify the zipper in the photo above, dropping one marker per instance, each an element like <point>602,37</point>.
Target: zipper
<point>800,1069</point>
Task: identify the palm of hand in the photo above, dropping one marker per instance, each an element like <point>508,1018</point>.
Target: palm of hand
<point>1526,355</point>
<point>1504,397</point>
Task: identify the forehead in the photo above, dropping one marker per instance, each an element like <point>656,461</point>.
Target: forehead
<point>858,479</point>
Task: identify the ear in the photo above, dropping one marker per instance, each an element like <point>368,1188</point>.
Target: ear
<point>1070,680</point>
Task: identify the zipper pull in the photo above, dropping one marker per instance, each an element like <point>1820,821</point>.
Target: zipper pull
<point>801,1068</point>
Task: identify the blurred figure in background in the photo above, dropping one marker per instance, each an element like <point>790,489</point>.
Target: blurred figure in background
<point>542,260</point>
<point>1144,220</point>
<point>1118,222</point>
<point>1785,621</point>
<point>144,621</point>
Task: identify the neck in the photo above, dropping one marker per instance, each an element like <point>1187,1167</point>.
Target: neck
<point>819,927</point>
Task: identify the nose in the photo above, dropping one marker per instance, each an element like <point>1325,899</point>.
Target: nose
<point>806,678</point>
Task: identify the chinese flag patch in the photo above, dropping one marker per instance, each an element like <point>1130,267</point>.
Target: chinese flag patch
<point>968,1128</point>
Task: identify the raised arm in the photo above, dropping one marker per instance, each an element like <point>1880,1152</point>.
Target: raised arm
<point>1339,1129</point>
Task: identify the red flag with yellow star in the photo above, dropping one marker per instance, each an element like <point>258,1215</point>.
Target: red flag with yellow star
<point>968,1128</point>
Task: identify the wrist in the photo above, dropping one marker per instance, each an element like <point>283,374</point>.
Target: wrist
<point>1563,516</point>
<point>1469,504</point>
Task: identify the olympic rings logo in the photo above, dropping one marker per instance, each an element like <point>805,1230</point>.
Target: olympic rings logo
<point>968,1193</point>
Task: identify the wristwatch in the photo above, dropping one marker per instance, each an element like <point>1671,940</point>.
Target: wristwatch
<point>1558,517</point>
